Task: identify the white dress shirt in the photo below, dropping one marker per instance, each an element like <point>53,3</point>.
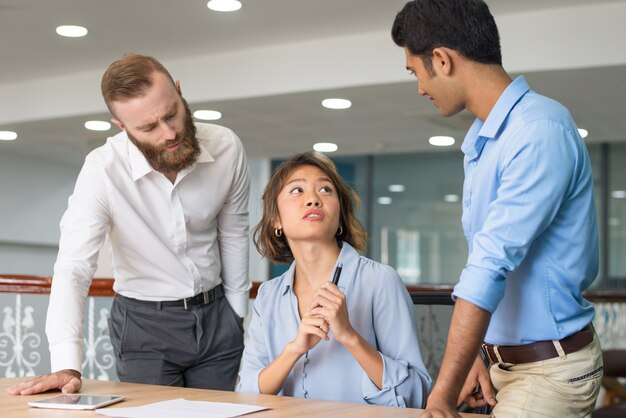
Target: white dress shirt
<point>169,241</point>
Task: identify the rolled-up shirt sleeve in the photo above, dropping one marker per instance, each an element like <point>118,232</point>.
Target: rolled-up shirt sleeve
<point>255,357</point>
<point>536,172</point>
<point>405,382</point>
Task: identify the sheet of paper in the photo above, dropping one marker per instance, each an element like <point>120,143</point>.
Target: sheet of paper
<point>182,408</point>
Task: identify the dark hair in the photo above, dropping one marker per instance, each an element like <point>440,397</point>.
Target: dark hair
<point>129,77</point>
<point>276,249</point>
<point>466,26</point>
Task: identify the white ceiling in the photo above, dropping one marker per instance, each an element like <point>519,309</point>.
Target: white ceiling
<point>387,117</point>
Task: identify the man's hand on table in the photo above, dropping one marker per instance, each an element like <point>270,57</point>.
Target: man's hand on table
<point>68,381</point>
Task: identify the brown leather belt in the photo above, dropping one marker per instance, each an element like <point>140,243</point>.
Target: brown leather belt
<point>538,351</point>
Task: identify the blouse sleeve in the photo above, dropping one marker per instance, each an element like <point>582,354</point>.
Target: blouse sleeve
<point>405,382</point>
<point>255,357</point>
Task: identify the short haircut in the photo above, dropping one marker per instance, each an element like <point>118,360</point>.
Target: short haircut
<point>129,77</point>
<point>466,26</point>
<point>276,249</point>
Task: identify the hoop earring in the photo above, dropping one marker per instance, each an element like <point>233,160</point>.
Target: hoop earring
<point>339,231</point>
<point>278,232</point>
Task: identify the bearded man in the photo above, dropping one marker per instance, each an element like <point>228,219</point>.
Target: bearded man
<point>173,198</point>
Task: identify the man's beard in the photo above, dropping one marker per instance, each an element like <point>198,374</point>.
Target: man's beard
<point>168,161</point>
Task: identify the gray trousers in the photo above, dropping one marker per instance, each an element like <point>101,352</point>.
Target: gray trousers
<point>199,348</point>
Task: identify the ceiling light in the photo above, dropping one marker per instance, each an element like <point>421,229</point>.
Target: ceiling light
<point>441,141</point>
<point>396,188</point>
<point>97,125</point>
<point>451,198</point>
<point>583,132</point>
<point>384,200</point>
<point>224,5</point>
<point>207,114</point>
<point>325,147</point>
<point>7,135</point>
<point>72,31</point>
<point>618,194</point>
<point>336,103</point>
<point>614,222</point>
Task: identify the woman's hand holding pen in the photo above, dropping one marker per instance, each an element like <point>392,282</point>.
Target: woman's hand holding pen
<point>312,330</point>
<point>329,303</point>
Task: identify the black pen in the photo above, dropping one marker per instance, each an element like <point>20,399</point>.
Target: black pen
<point>337,274</point>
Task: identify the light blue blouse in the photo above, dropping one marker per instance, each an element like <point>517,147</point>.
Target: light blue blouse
<point>380,310</point>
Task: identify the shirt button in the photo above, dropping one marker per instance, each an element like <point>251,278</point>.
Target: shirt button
<point>466,203</point>
<point>473,163</point>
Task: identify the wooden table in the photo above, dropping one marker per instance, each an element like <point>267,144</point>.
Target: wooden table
<point>136,395</point>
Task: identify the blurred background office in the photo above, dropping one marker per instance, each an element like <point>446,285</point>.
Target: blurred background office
<point>264,71</point>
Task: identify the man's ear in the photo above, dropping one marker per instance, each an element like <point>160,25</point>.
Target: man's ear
<point>443,60</point>
<point>177,84</point>
<point>119,124</point>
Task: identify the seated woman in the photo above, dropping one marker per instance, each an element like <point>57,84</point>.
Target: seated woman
<point>353,342</point>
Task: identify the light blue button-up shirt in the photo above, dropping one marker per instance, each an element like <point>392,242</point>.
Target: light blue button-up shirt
<point>380,310</point>
<point>529,218</point>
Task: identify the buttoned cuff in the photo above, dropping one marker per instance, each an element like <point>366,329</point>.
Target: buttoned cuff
<point>66,356</point>
<point>481,287</point>
<point>239,302</point>
<point>250,382</point>
<point>395,372</point>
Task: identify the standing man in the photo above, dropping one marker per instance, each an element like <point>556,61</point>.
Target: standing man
<point>173,198</point>
<point>530,222</point>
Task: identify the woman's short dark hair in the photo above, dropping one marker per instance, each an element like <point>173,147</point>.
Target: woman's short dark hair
<point>275,248</point>
<point>466,26</point>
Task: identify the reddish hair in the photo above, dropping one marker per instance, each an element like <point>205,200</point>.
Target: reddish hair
<point>129,77</point>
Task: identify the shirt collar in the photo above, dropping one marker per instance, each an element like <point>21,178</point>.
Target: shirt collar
<point>141,167</point>
<point>481,131</point>
<point>348,256</point>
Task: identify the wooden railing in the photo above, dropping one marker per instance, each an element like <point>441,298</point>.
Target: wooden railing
<point>15,283</point>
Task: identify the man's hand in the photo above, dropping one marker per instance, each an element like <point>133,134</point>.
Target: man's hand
<point>439,408</point>
<point>66,380</point>
<point>477,391</point>
<point>467,330</point>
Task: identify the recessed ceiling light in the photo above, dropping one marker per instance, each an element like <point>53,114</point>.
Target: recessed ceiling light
<point>72,31</point>
<point>224,5</point>
<point>384,200</point>
<point>441,141</point>
<point>396,188</point>
<point>7,135</point>
<point>97,125</point>
<point>325,147</point>
<point>451,198</point>
<point>618,194</point>
<point>207,114</point>
<point>336,103</point>
<point>583,132</point>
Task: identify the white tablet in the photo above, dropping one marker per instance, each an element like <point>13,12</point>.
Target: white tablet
<point>76,401</point>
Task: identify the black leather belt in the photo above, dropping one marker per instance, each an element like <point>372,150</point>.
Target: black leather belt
<point>538,351</point>
<point>200,299</point>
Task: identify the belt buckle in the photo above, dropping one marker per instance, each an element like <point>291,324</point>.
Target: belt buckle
<point>185,304</point>
<point>485,351</point>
